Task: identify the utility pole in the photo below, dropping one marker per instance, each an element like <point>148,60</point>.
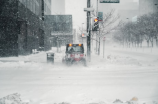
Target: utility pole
<point>88,31</point>
<point>96,31</point>
<point>98,37</point>
<point>99,43</point>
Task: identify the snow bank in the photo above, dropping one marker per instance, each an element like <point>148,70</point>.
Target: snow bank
<point>121,74</point>
<point>12,99</point>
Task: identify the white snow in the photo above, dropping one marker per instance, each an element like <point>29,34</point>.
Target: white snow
<point>123,74</point>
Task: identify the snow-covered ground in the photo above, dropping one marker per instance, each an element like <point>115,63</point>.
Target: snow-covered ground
<point>123,74</point>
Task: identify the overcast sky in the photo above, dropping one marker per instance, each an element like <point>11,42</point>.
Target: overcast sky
<point>76,7</point>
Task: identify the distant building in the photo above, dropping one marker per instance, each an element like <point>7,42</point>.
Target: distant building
<point>47,7</point>
<point>127,15</point>
<point>34,6</point>
<point>38,7</point>
<point>127,9</point>
<point>22,27</point>
<point>58,7</point>
<point>147,6</point>
<point>134,19</point>
<point>74,35</point>
<point>61,28</point>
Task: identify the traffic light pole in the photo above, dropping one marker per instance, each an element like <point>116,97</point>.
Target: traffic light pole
<point>99,43</point>
<point>97,9</point>
<point>97,34</point>
<point>89,32</point>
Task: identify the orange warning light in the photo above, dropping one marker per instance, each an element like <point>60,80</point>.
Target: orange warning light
<point>95,20</point>
<point>70,45</point>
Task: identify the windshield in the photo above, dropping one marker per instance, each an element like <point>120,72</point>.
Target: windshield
<point>75,49</point>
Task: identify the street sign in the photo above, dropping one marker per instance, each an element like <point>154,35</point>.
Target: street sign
<point>100,16</point>
<point>109,1</point>
<point>89,9</point>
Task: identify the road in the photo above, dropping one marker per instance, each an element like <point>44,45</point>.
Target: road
<point>102,81</point>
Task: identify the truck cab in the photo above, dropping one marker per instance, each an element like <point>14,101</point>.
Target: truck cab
<point>74,54</point>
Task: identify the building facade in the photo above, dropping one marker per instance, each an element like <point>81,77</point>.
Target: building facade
<point>38,7</point>
<point>125,9</point>
<point>22,28</point>
<point>61,29</point>
<point>34,6</point>
<point>47,7</point>
<point>147,6</point>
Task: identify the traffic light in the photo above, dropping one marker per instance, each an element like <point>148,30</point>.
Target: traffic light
<point>95,24</point>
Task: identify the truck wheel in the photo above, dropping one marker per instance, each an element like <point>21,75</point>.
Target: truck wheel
<point>84,63</point>
<point>68,63</point>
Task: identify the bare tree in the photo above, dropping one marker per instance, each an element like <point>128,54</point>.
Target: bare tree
<point>108,24</point>
<point>154,19</point>
<point>146,28</point>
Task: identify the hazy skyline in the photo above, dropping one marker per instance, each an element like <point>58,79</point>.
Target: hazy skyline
<point>76,9</point>
<point>58,7</point>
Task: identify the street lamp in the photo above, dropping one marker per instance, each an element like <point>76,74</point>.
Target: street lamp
<point>89,10</point>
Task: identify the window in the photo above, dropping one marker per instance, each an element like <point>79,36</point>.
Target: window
<point>75,49</point>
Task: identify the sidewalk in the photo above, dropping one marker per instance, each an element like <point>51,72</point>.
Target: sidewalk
<point>38,57</point>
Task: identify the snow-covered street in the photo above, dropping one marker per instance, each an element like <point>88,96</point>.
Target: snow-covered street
<point>122,74</point>
<point>78,52</point>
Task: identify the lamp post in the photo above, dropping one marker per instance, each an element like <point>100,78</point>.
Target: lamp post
<point>89,10</point>
<point>89,31</point>
<point>98,37</point>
